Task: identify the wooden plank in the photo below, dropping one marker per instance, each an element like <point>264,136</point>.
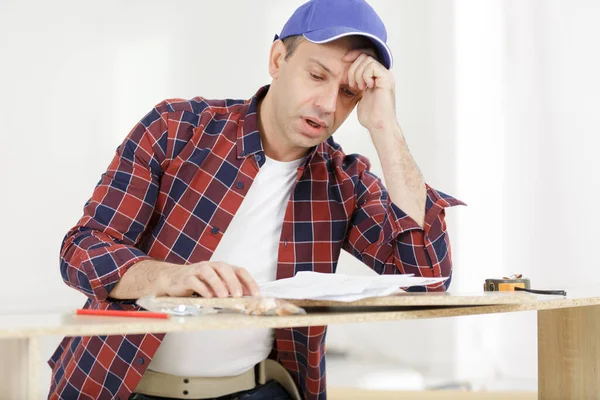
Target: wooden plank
<point>27,325</point>
<point>14,369</point>
<point>34,361</point>
<point>569,353</point>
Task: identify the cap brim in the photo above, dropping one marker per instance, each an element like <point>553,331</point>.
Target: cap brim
<point>330,34</point>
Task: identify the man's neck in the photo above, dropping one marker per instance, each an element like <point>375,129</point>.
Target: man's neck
<point>273,142</point>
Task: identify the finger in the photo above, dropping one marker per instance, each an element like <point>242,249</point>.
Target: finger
<point>199,287</point>
<point>228,276</point>
<point>351,71</point>
<point>369,73</point>
<point>352,55</point>
<point>248,281</point>
<point>208,275</point>
<point>246,291</point>
<point>360,69</point>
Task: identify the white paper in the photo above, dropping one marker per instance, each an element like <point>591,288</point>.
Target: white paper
<point>320,286</point>
<point>366,294</point>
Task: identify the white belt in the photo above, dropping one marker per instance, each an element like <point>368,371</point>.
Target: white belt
<point>180,387</point>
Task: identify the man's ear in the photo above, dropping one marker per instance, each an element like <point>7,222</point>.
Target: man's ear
<point>276,58</point>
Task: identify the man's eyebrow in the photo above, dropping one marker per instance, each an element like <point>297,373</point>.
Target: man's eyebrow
<point>321,65</point>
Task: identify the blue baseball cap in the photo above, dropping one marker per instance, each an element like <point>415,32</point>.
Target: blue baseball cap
<point>323,21</point>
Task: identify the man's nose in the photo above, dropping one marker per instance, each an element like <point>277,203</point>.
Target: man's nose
<point>327,100</point>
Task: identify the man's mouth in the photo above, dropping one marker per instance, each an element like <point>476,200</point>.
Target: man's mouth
<point>313,127</point>
<point>313,123</point>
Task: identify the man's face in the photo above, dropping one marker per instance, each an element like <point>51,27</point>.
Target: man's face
<point>311,92</point>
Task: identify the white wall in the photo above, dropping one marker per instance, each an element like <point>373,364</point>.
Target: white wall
<point>551,164</point>
<point>497,100</point>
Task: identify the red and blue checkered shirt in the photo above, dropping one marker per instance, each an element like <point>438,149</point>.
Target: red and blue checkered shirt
<point>170,193</point>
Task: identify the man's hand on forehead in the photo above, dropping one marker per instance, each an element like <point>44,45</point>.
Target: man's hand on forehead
<point>365,70</point>
<point>377,105</point>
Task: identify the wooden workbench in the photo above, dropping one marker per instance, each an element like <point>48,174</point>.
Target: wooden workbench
<point>568,331</point>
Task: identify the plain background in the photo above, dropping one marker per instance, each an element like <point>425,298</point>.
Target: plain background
<point>498,101</point>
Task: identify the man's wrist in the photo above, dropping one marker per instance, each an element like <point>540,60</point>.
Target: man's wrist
<point>386,133</point>
<point>384,127</point>
<point>157,273</point>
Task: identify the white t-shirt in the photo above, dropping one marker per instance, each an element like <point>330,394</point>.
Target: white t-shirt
<point>251,241</point>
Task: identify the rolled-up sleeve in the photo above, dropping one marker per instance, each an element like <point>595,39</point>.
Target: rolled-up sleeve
<point>100,248</point>
<point>389,241</point>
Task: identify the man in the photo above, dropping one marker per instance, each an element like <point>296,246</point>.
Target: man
<point>214,197</point>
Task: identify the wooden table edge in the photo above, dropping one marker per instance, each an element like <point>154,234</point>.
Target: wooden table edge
<point>317,317</point>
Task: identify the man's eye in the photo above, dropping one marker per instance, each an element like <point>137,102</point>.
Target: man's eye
<point>316,77</point>
<point>348,92</point>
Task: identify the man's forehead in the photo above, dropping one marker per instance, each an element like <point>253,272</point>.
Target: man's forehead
<point>369,51</point>
<point>365,45</point>
<point>336,68</point>
<point>339,48</point>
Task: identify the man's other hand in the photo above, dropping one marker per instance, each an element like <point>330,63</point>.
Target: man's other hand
<point>208,279</point>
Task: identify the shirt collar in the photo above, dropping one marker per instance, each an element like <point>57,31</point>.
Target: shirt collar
<point>248,136</point>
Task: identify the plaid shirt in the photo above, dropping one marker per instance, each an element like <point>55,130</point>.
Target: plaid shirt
<point>170,193</point>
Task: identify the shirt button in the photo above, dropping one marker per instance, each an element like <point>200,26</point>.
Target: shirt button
<point>258,158</point>
<point>239,185</point>
<point>285,243</point>
<point>214,230</point>
<point>140,360</point>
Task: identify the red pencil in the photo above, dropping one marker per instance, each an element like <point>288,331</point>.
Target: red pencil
<point>121,313</point>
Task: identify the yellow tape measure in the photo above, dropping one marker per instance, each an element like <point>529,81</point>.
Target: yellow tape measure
<point>505,285</point>
<point>515,283</point>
